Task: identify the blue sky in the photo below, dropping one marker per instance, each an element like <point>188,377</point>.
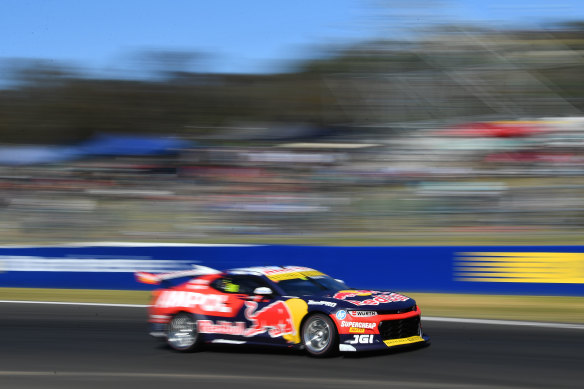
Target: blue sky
<point>240,35</point>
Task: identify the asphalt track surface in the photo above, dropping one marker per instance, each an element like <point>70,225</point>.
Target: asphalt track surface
<point>57,346</point>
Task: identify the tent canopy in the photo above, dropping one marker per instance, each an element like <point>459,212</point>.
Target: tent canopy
<point>100,145</point>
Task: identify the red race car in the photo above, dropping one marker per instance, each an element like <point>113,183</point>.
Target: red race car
<point>287,306</point>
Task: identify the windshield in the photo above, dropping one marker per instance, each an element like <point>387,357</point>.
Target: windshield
<point>310,285</point>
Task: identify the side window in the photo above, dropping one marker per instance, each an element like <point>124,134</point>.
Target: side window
<point>238,284</point>
<point>225,285</point>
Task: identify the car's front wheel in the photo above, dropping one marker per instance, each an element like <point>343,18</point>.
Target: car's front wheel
<point>319,335</point>
<point>183,334</point>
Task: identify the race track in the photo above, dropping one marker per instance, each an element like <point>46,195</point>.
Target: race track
<point>60,346</point>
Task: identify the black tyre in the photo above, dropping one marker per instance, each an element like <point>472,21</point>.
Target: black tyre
<point>319,336</point>
<point>183,334</point>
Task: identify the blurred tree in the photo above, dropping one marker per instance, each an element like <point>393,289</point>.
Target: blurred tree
<point>449,73</point>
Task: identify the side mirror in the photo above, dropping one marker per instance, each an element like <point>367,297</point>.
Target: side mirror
<point>263,291</point>
<point>339,280</point>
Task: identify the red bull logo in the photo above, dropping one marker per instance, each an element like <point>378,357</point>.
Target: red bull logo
<point>274,318</point>
<point>380,297</point>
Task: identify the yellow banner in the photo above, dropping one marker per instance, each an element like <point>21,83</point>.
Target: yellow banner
<point>547,268</point>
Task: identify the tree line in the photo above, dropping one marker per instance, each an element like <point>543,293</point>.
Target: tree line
<point>443,75</point>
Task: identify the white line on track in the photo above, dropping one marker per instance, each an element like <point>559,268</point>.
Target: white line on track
<point>425,318</point>
<point>503,322</point>
<point>129,244</point>
<point>73,303</point>
<point>226,378</point>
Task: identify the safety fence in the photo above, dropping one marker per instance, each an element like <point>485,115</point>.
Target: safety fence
<point>535,270</point>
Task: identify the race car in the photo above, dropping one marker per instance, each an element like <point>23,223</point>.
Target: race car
<point>289,306</point>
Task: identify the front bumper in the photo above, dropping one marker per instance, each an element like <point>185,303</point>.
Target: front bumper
<point>376,343</point>
<point>382,331</point>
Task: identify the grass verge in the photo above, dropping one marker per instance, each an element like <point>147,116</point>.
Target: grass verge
<point>529,308</point>
<point>76,295</point>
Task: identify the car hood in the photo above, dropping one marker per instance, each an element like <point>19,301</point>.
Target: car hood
<point>364,300</point>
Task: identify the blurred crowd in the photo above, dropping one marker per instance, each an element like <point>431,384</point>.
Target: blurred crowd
<point>450,131</point>
<point>482,176</point>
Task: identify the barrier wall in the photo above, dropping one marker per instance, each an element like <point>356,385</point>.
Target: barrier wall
<point>539,270</point>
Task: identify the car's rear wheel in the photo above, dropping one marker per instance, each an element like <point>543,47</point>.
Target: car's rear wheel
<point>319,335</point>
<point>183,334</point>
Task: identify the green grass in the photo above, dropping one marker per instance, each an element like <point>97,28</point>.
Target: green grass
<point>403,239</point>
<point>418,238</point>
<point>529,308</point>
<point>76,295</point>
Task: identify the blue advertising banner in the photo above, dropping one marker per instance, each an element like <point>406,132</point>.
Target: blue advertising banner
<point>535,270</point>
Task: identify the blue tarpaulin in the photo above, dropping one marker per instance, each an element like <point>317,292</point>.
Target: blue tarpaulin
<point>100,145</point>
<point>105,144</point>
<point>32,155</point>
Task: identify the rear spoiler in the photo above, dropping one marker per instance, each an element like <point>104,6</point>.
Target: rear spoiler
<point>155,279</point>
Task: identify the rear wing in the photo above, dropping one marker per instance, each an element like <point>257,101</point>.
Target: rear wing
<point>155,279</point>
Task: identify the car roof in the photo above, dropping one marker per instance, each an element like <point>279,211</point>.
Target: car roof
<point>269,271</point>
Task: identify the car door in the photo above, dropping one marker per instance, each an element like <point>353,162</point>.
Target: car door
<point>263,318</point>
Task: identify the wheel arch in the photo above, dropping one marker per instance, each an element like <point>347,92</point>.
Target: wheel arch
<point>335,340</point>
<point>180,332</point>
<point>312,313</point>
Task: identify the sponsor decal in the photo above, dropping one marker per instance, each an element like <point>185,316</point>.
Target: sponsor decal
<point>346,347</point>
<point>81,264</point>
<point>380,297</point>
<point>268,271</point>
<point>368,339</point>
<point>222,327</point>
<point>358,324</point>
<point>204,302</point>
<point>275,318</point>
<point>341,315</point>
<point>299,310</point>
<point>286,276</point>
<point>327,303</point>
<point>228,341</point>
<point>290,272</point>
<point>200,281</point>
<point>397,342</point>
<point>357,330</point>
<point>197,285</point>
<point>377,298</point>
<point>362,313</point>
<point>159,318</point>
<point>343,294</point>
